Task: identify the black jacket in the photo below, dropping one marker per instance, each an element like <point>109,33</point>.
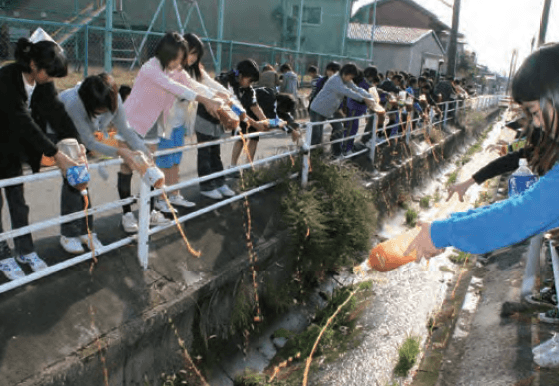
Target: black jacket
<point>22,133</point>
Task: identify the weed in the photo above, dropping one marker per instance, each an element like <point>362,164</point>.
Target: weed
<point>411,217</point>
<point>408,355</point>
<point>460,258</point>
<point>243,310</point>
<point>250,378</point>
<point>452,178</point>
<point>437,196</point>
<point>425,202</point>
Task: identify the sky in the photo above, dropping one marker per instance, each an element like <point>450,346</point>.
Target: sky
<point>494,28</point>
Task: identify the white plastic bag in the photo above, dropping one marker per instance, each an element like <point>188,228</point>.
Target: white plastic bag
<point>546,354</point>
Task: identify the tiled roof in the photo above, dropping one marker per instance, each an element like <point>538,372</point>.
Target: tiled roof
<point>386,34</point>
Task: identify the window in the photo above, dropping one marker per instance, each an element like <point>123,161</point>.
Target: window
<point>311,15</point>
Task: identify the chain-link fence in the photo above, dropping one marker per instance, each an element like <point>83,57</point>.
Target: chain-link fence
<point>88,46</point>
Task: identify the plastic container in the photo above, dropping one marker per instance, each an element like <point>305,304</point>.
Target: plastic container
<point>521,179</point>
<point>389,255</point>
<point>273,123</point>
<point>77,176</point>
<point>228,118</point>
<point>150,173</point>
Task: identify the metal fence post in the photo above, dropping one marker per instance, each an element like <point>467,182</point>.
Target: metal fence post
<point>230,55</point>
<point>306,158</point>
<point>373,140</point>
<point>86,52</point>
<point>143,225</point>
<point>408,129</point>
<point>109,35</point>
<point>532,265</point>
<point>445,114</point>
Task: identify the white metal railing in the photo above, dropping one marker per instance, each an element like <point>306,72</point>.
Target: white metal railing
<point>145,194</point>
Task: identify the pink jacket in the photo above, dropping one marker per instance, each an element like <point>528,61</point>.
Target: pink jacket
<point>153,93</point>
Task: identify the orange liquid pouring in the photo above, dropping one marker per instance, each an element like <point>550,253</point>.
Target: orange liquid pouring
<point>389,255</point>
<point>192,251</point>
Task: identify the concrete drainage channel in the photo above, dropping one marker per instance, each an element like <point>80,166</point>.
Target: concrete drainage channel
<point>397,310</point>
<point>402,302</point>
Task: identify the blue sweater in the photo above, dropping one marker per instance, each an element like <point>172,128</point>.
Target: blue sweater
<point>504,223</point>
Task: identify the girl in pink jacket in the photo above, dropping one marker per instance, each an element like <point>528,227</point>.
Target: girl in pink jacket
<point>159,83</point>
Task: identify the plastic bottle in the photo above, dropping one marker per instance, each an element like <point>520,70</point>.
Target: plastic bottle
<point>150,173</point>
<point>77,176</point>
<point>521,179</point>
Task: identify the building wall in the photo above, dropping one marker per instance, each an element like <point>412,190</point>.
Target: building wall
<point>427,45</point>
<point>256,21</point>
<point>398,56</point>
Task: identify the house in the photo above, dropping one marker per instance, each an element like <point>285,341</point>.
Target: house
<point>407,14</point>
<point>402,48</point>
<point>400,13</point>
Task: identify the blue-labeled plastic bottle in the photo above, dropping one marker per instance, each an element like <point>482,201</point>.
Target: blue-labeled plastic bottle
<point>521,179</point>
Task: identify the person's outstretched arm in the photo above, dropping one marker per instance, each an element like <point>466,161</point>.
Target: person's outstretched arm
<point>503,223</point>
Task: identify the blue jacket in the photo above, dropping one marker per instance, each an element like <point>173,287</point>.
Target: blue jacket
<point>504,223</point>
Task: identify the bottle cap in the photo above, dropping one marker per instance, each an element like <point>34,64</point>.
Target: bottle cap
<point>523,162</point>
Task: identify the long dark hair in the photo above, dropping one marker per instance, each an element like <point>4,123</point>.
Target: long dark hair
<point>196,45</point>
<point>46,55</point>
<point>538,80</point>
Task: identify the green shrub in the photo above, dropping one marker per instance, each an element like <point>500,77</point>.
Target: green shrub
<point>408,355</point>
<point>331,221</point>
<point>411,217</point>
<point>424,202</point>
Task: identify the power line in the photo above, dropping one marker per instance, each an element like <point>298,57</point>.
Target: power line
<point>447,4</point>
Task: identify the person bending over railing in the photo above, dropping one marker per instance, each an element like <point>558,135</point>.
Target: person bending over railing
<point>24,84</point>
<point>159,83</point>
<point>93,106</point>
<point>328,101</point>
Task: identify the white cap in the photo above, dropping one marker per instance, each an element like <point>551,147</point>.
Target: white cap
<point>522,162</point>
<point>41,35</point>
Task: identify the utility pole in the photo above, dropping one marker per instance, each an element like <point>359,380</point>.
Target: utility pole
<point>512,67</point>
<point>543,23</point>
<point>373,29</point>
<point>451,61</point>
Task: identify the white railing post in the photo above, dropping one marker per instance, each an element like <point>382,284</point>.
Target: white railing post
<point>143,225</point>
<point>306,157</point>
<point>373,140</point>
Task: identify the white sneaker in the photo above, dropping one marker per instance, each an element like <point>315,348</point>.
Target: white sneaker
<point>215,194</point>
<point>72,245</point>
<point>33,260</point>
<point>161,205</point>
<point>157,219</point>
<point>129,223</point>
<point>10,268</point>
<point>96,243</point>
<point>179,200</point>
<point>226,191</point>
